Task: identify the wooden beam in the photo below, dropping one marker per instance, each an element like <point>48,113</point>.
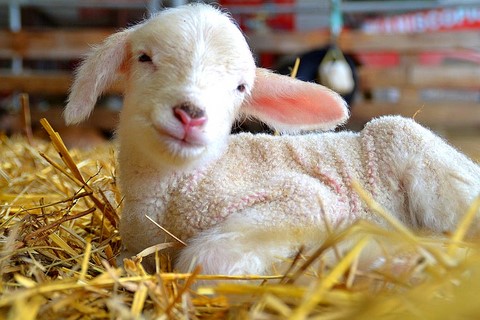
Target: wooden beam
<point>51,44</point>
<point>373,77</point>
<point>44,83</point>
<point>67,44</point>
<point>419,76</point>
<point>6,44</point>
<point>101,118</point>
<point>356,41</point>
<point>448,76</point>
<point>287,42</point>
<point>445,115</point>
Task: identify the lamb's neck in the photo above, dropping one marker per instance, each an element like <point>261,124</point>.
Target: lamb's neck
<point>137,183</point>
<point>141,177</point>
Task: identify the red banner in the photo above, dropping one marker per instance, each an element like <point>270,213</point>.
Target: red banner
<point>449,19</point>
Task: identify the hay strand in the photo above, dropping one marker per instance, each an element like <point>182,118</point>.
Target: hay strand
<point>464,225</point>
<point>311,301</point>
<point>77,176</point>
<point>26,117</point>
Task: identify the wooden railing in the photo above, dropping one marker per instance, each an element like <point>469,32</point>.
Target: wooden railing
<point>50,45</point>
<point>409,78</point>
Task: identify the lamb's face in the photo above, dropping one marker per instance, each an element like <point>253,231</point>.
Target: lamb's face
<point>189,70</point>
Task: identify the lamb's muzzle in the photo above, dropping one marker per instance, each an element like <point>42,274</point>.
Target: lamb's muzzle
<point>190,74</point>
<point>190,115</point>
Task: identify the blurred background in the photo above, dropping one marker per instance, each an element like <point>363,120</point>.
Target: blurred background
<point>419,59</point>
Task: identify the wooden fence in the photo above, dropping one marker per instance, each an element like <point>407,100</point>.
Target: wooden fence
<point>409,78</point>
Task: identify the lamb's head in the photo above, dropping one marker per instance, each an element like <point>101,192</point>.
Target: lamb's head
<point>189,73</point>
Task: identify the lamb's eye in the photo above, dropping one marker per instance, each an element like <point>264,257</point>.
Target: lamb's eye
<point>241,88</point>
<point>144,58</point>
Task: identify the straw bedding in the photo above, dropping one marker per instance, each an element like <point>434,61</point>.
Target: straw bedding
<point>59,214</point>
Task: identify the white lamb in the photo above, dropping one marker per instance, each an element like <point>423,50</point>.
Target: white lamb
<point>242,201</point>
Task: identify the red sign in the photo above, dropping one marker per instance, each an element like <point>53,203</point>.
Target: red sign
<point>424,21</point>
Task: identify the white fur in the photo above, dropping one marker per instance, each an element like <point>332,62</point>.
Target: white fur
<point>243,202</point>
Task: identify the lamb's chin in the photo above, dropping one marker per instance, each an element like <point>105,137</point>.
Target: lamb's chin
<point>185,156</point>
<point>182,151</point>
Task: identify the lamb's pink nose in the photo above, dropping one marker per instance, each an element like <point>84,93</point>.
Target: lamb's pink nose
<point>189,115</point>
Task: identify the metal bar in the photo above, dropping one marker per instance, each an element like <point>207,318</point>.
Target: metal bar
<point>121,4</point>
<point>306,7</point>
<point>407,5</point>
<point>14,16</point>
<point>154,6</point>
<point>15,24</point>
<point>177,3</point>
<point>351,6</point>
<point>271,8</point>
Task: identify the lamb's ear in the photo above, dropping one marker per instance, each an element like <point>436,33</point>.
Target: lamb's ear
<point>291,105</point>
<point>94,76</point>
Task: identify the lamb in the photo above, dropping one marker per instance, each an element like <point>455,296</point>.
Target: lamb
<point>241,201</point>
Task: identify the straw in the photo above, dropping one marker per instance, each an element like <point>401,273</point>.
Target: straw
<point>59,242</point>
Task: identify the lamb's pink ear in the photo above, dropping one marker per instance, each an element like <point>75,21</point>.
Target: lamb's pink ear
<point>291,105</point>
<point>94,76</point>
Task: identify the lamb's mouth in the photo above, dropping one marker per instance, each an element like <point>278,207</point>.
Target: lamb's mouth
<point>183,139</point>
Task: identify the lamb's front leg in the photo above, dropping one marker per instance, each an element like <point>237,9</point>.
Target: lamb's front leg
<point>243,246</point>
<point>432,183</point>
